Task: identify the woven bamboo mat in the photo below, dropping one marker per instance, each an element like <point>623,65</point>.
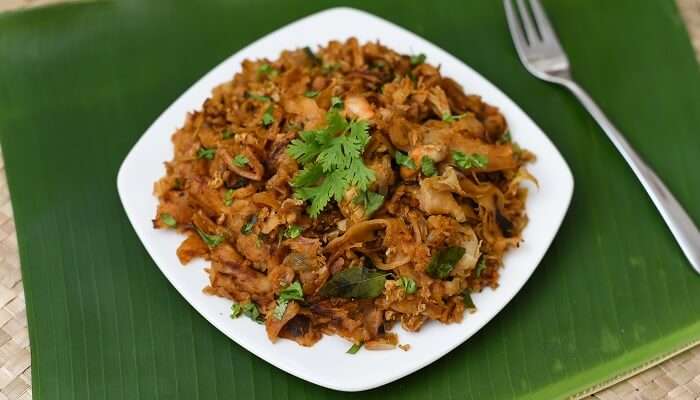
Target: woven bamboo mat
<point>677,378</point>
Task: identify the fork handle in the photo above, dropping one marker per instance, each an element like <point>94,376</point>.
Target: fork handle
<point>677,219</point>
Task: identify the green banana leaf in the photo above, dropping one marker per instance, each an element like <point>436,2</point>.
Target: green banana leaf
<point>80,82</point>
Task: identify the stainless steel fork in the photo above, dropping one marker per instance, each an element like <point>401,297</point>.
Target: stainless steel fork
<point>540,51</point>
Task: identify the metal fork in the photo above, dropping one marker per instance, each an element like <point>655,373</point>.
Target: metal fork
<point>540,51</point>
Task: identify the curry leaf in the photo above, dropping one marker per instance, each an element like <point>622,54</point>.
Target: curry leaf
<point>444,261</point>
<point>354,282</point>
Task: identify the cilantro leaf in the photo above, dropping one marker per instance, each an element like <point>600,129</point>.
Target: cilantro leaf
<point>506,137</point>
<point>427,166</point>
<point>268,118</point>
<point>408,284</point>
<point>332,161</point>
<point>247,228</point>
<point>336,102</point>
<point>354,348</point>
<point>336,123</point>
<point>178,184</point>
<point>168,220</point>
<point>248,309</point>
<point>210,240</point>
<point>308,176</point>
<point>333,186</point>
<point>280,309</point>
<point>236,310</point>
<point>258,97</point>
<point>293,231</point>
<point>417,59</point>
<point>311,94</point>
<point>203,152</point>
<point>467,161</point>
<point>269,70</point>
<point>308,145</point>
<point>360,175</point>
<point>329,68</point>
<point>404,160</point>
<point>451,118</point>
<point>370,201</point>
<point>227,134</point>
<point>240,160</point>
<point>228,197</point>
<point>291,292</point>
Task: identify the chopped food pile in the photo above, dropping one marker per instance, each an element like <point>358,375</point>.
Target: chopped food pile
<point>344,190</point>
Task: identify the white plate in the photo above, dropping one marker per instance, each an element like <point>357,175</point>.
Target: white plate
<point>326,363</point>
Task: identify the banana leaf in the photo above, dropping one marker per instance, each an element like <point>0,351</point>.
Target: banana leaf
<point>80,82</point>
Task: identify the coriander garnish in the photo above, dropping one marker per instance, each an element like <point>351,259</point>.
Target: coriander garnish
<point>466,161</point>
<point>417,59</point>
<point>228,197</point>
<point>247,228</point>
<point>408,284</point>
<point>293,231</point>
<point>268,118</point>
<point>210,240</point>
<point>248,309</point>
<point>291,292</point>
<point>203,152</point>
<point>354,348</point>
<point>404,160</point>
<point>168,220</point>
<point>258,97</point>
<point>269,70</point>
<point>332,160</point>
<point>240,160</point>
<point>427,166</point>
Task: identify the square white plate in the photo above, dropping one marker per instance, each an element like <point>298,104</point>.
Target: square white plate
<point>326,363</point>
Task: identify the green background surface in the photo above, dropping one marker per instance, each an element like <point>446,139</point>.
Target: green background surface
<point>79,83</point>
